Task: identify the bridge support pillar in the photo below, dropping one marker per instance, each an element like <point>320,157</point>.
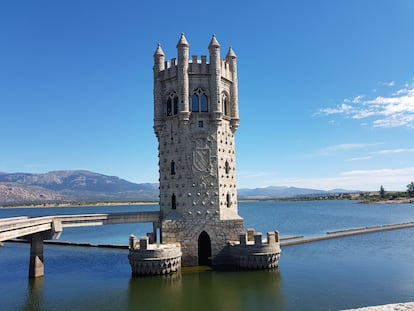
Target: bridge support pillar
<point>36,265</point>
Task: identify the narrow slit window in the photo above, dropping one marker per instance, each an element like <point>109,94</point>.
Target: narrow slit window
<point>173,202</point>
<point>172,167</point>
<point>227,167</point>
<point>228,199</point>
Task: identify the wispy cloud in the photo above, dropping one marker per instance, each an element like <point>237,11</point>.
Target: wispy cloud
<point>340,148</point>
<point>393,151</point>
<point>360,158</point>
<point>396,110</point>
<point>390,83</point>
<point>391,179</point>
<point>345,147</point>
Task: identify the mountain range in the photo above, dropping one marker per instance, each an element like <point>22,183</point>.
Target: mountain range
<point>86,186</point>
<point>71,186</point>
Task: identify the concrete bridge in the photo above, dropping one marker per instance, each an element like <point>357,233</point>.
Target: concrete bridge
<point>38,229</point>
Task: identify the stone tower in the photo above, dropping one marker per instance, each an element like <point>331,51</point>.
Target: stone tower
<point>195,119</point>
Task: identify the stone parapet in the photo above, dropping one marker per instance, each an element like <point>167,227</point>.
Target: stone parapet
<point>153,259</point>
<point>252,253</point>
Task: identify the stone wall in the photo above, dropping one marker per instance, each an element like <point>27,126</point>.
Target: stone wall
<point>153,259</point>
<point>188,233</point>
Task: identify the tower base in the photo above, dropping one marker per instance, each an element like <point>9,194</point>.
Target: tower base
<point>250,252</point>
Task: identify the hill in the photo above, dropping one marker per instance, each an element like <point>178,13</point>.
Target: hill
<point>80,185</point>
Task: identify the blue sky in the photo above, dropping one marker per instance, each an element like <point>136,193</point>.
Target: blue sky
<point>326,88</point>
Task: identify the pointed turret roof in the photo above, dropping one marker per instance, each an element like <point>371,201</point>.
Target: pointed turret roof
<point>183,41</point>
<point>214,42</point>
<point>231,54</point>
<point>159,51</point>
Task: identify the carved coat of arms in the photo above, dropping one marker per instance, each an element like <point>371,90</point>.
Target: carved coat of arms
<point>201,159</point>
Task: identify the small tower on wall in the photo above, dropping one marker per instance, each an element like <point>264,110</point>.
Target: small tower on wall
<point>195,120</point>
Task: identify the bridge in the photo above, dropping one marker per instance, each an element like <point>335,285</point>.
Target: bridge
<point>38,229</point>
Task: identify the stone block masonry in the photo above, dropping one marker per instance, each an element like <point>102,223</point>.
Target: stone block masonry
<point>153,259</point>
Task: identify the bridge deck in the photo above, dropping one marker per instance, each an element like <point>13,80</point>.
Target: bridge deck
<point>11,228</point>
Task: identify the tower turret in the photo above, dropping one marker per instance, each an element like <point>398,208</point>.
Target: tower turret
<point>231,59</point>
<point>182,77</point>
<point>215,77</point>
<point>159,66</point>
<point>159,59</point>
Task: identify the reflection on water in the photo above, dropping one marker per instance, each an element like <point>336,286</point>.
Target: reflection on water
<point>246,290</point>
<point>34,295</point>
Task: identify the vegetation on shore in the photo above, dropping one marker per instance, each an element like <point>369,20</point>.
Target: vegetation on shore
<point>383,196</point>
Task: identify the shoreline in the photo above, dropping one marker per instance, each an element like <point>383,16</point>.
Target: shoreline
<point>78,204</point>
<point>388,201</point>
<point>399,200</point>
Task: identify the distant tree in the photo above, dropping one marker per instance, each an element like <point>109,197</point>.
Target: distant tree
<point>410,189</point>
<point>382,192</point>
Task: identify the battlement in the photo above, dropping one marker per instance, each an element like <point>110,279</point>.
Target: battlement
<point>152,259</point>
<point>196,66</point>
<point>252,238</point>
<point>252,252</point>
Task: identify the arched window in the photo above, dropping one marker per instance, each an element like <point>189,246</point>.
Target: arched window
<point>228,199</point>
<point>173,202</point>
<point>172,104</point>
<point>226,108</point>
<point>172,167</point>
<point>199,101</point>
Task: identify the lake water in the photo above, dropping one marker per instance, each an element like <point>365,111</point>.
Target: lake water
<point>334,274</point>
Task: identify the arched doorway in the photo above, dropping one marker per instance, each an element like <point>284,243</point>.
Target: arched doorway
<point>204,249</point>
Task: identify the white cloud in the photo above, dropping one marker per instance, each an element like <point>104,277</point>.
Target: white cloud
<point>391,83</point>
<point>393,151</point>
<point>343,108</point>
<point>358,99</point>
<point>396,110</point>
<point>344,147</point>
<point>253,174</point>
<point>360,158</point>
